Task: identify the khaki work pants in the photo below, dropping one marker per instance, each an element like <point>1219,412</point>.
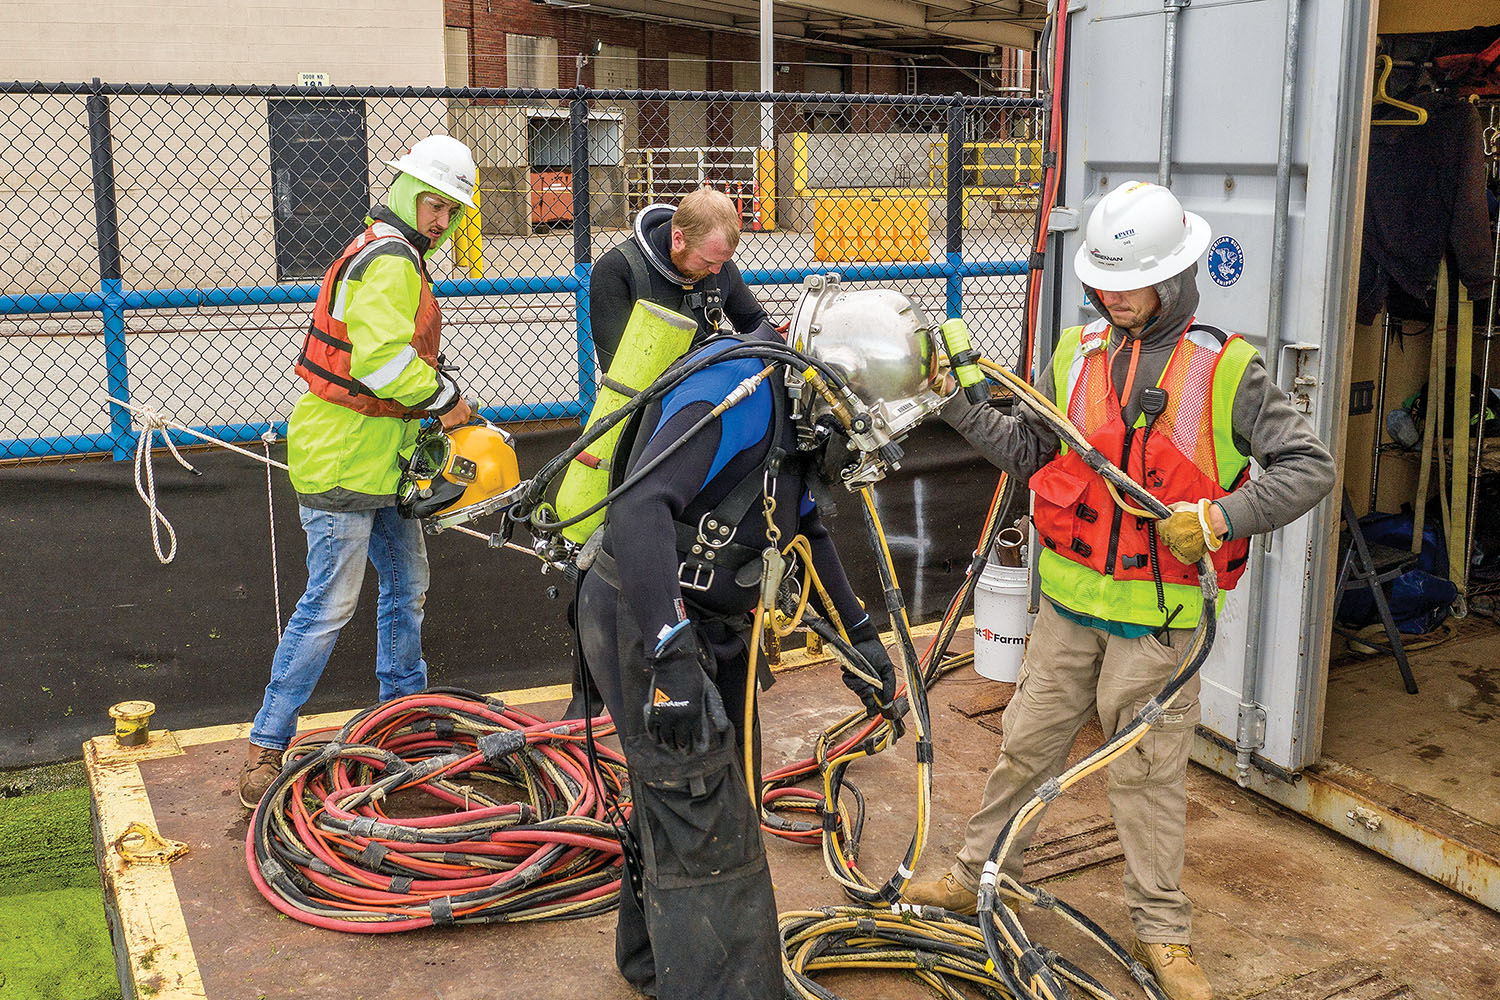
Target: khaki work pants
<point>1070,671</point>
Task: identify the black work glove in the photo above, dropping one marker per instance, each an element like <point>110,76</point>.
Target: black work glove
<point>866,641</point>
<point>682,705</point>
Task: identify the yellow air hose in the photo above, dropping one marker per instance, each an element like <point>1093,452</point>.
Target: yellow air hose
<point>998,951</point>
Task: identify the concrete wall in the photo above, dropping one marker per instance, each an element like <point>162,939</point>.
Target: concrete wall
<point>192,180</point>
<point>840,160</point>
<point>193,188</point>
<point>356,42</point>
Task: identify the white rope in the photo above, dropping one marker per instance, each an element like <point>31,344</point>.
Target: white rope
<point>151,422</point>
<point>266,439</point>
<point>490,540</point>
<point>177,425</point>
<point>145,475</point>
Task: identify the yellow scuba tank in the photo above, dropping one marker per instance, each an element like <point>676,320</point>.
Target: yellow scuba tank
<point>654,337</point>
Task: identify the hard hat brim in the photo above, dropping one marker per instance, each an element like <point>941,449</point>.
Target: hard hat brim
<point>465,198</point>
<point>1199,235</point>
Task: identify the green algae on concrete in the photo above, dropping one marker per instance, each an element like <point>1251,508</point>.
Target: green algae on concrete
<point>54,941</point>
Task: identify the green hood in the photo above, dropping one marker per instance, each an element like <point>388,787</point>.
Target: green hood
<point>402,199</point>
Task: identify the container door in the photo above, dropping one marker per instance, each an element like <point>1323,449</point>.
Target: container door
<point>320,181</point>
<point>1230,62</point>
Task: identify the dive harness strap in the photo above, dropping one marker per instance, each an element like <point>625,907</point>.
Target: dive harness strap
<point>708,546</point>
<point>706,305</point>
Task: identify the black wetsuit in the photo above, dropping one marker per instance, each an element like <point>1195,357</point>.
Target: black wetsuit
<point>705,923</point>
<point>611,298</point>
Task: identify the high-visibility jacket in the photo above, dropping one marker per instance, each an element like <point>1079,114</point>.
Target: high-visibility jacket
<point>326,351</point>
<point>340,458</point>
<point>1098,560</point>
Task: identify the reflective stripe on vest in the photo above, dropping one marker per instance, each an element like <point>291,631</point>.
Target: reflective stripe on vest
<point>1097,559</point>
<point>326,351</point>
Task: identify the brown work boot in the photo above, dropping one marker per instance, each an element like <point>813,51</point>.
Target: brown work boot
<point>1177,972</point>
<point>946,893</point>
<point>262,765</point>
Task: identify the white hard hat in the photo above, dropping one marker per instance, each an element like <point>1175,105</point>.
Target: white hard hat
<point>444,163</point>
<point>1138,235</point>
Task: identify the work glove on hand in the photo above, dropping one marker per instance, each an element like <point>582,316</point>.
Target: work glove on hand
<point>866,642</point>
<point>1186,533</point>
<point>682,704</point>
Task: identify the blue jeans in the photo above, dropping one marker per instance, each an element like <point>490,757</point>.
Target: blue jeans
<point>337,546</point>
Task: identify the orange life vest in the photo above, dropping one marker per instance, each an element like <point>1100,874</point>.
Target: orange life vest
<point>1074,513</point>
<point>324,361</point>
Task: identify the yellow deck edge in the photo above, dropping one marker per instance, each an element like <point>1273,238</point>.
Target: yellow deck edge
<point>143,895</point>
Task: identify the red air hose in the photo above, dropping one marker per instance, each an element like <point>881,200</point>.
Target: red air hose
<point>1051,178</point>
<point>439,808</point>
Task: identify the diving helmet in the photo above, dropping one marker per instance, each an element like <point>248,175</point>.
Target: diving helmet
<point>457,475</point>
<point>882,344</point>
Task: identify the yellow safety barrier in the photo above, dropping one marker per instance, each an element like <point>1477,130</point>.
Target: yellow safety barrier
<point>468,243</point>
<point>765,186</point>
<point>870,229</point>
<point>1004,173</point>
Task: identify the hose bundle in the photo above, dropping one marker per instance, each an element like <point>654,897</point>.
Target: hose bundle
<point>499,818</point>
<point>942,950</point>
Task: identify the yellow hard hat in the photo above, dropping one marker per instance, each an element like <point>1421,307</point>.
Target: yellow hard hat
<point>458,475</point>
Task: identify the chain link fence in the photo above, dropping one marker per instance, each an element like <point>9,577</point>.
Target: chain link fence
<point>163,244</point>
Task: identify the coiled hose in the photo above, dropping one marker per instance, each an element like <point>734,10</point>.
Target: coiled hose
<point>439,808</point>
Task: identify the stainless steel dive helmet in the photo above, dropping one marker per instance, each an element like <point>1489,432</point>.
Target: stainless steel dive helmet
<point>883,345</point>
<point>458,475</point>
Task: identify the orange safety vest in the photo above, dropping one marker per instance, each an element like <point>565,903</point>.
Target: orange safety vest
<point>1174,459</point>
<point>324,361</point>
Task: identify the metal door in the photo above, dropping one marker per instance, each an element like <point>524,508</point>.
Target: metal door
<point>320,181</point>
<point>1224,136</point>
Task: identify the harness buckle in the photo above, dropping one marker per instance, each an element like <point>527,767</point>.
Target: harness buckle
<point>1082,548</point>
<point>691,575</point>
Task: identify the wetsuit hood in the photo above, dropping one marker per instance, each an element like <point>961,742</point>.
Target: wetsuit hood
<point>653,234</point>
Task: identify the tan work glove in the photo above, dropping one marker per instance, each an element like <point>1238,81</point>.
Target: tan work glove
<point>1186,533</point>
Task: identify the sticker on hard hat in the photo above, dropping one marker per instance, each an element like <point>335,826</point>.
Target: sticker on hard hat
<point>1226,261</point>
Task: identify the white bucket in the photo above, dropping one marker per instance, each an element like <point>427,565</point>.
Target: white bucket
<point>1000,620</point>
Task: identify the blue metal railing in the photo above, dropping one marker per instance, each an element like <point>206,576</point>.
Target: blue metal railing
<point>113,301</point>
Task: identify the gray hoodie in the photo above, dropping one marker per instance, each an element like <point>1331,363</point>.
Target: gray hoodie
<point>1297,470</point>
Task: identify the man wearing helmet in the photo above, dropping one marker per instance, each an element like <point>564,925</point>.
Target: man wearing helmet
<point>1182,408</point>
<point>669,652</point>
<point>371,363</point>
<point>679,257</point>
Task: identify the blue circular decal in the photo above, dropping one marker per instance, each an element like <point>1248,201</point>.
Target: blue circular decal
<point>1226,261</point>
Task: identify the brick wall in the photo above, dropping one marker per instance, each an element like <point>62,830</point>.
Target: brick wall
<point>574,30</point>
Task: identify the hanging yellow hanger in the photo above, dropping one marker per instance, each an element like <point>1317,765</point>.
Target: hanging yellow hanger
<point>1384,65</point>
